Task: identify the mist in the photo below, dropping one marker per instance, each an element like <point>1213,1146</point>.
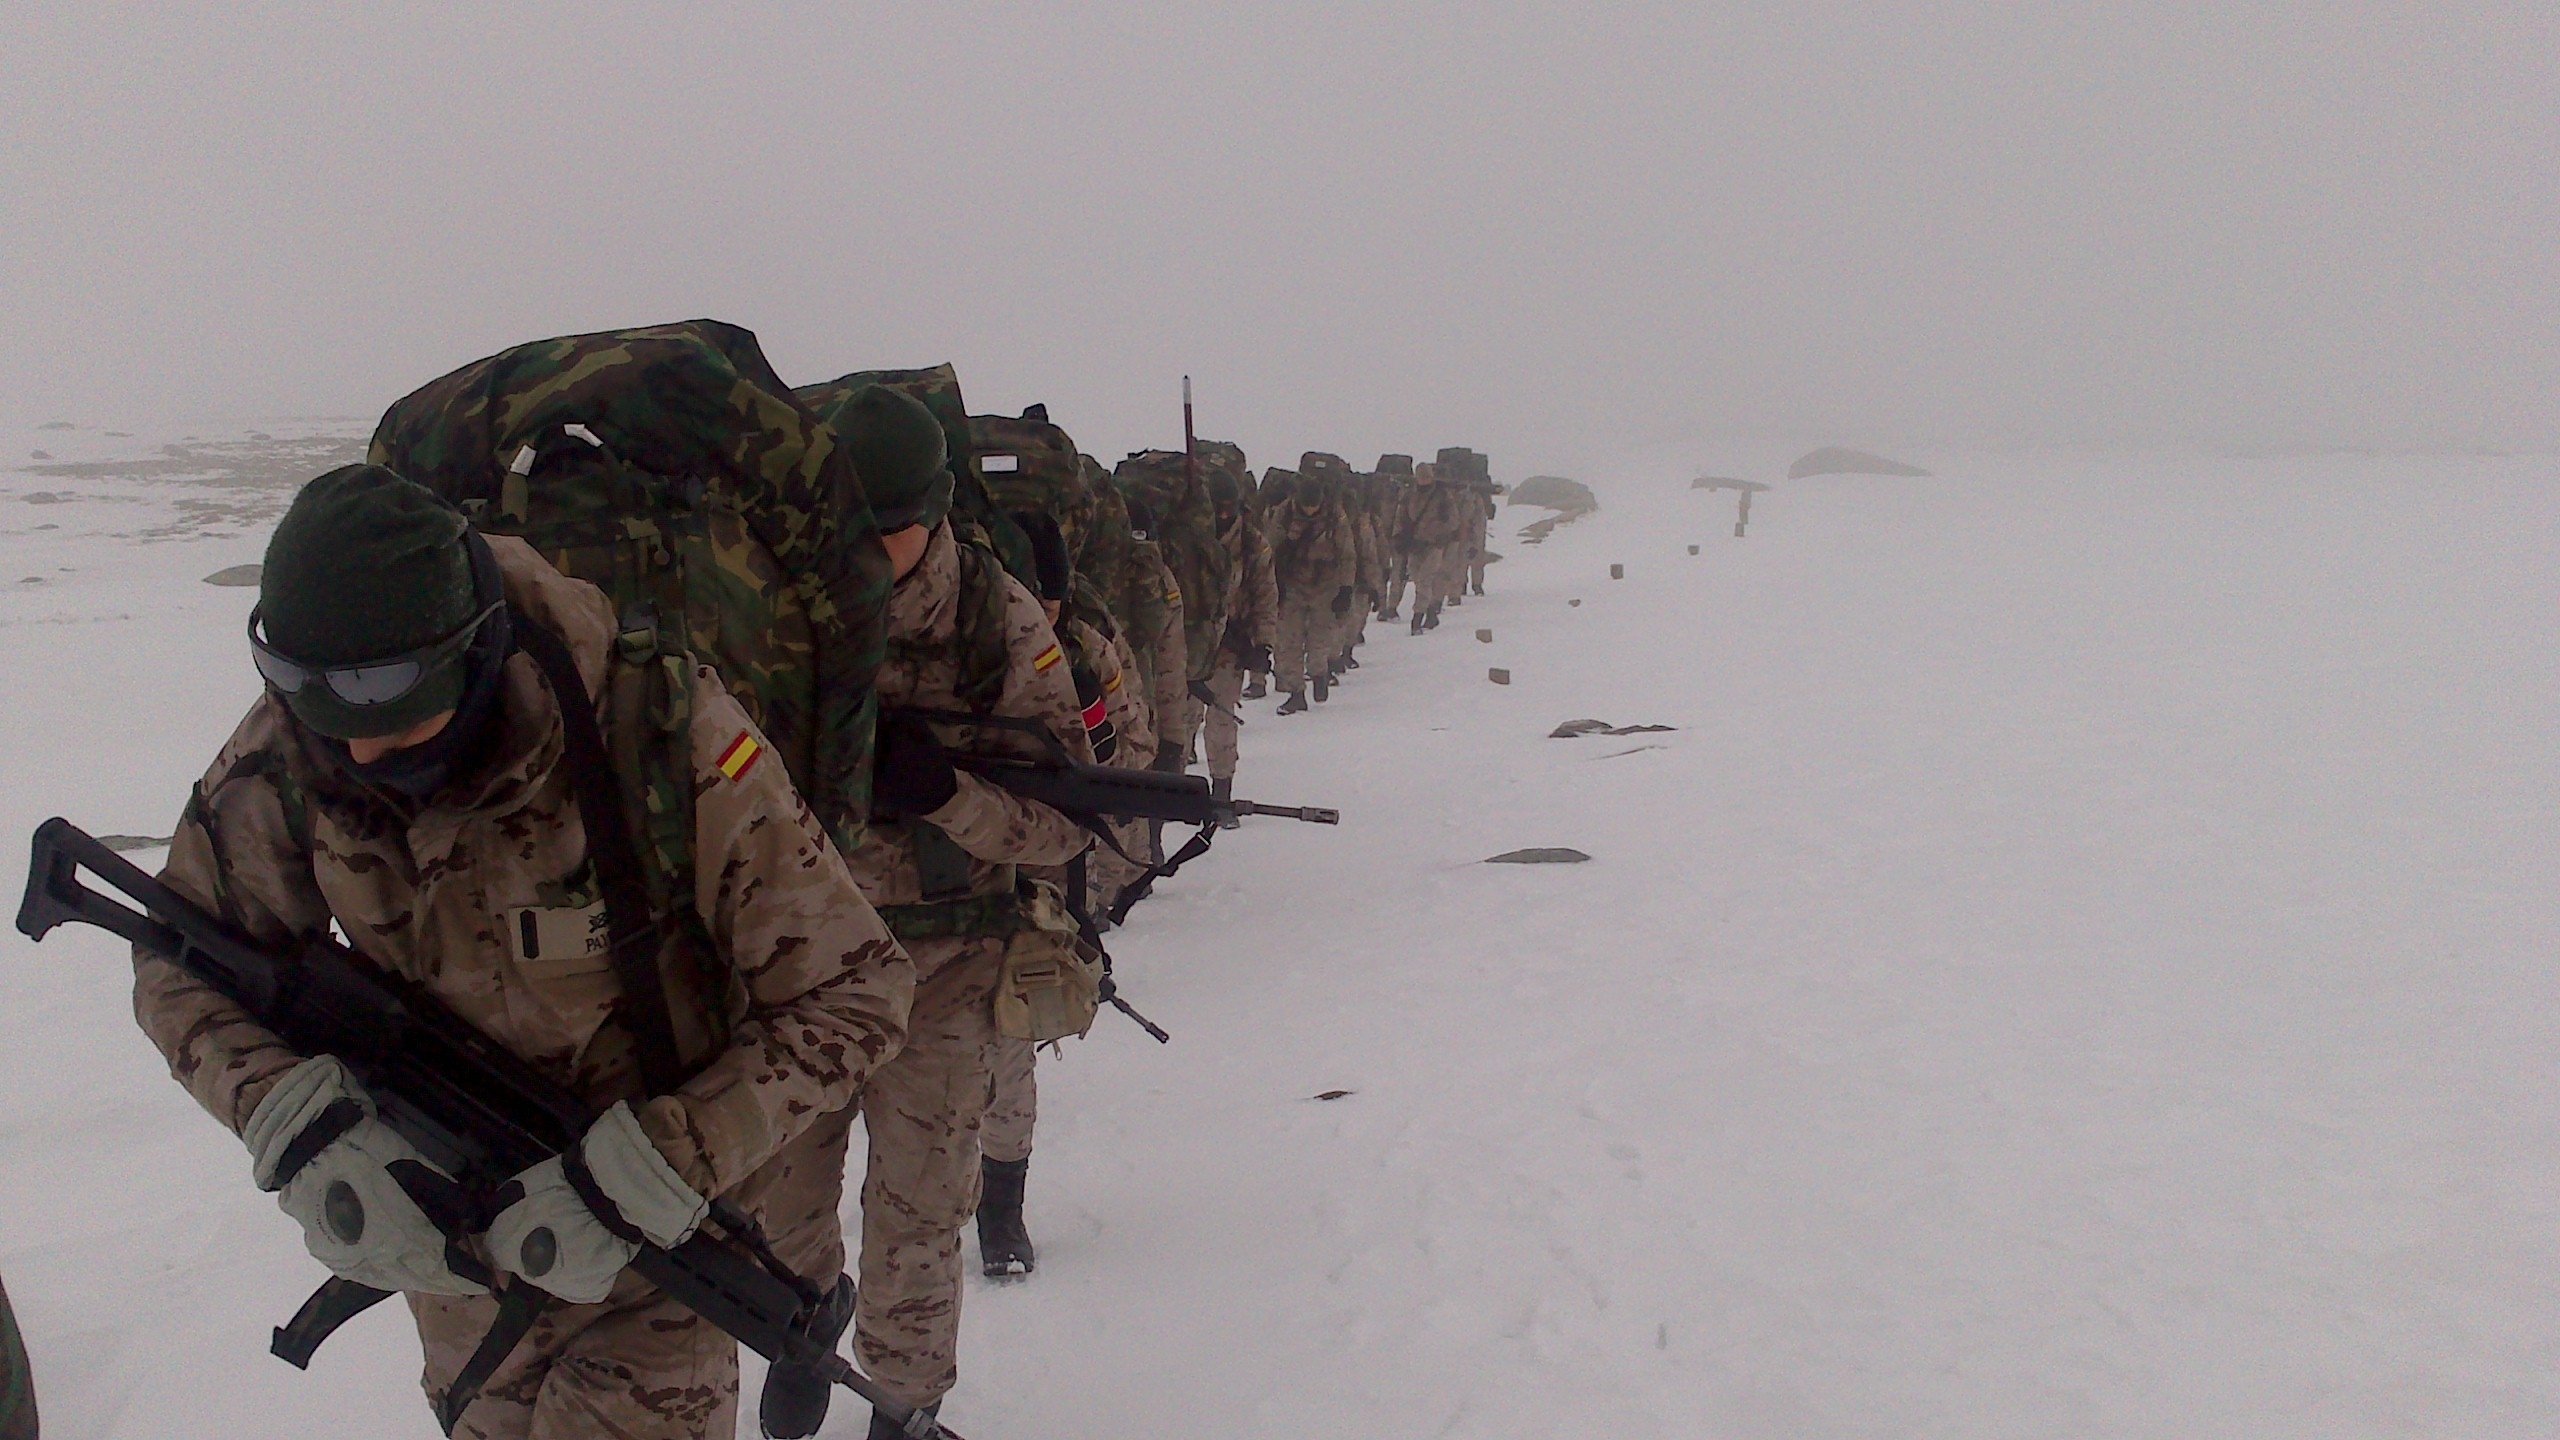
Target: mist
<point>1544,231</point>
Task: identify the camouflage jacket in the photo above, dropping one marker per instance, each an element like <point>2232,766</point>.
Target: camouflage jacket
<point>1435,514</point>
<point>1253,598</point>
<point>1164,657</point>
<point>1313,555</point>
<point>805,981</point>
<point>1122,705</point>
<point>994,829</point>
<point>1370,554</point>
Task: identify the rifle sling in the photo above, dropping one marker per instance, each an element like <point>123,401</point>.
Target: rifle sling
<point>337,1301</point>
<point>519,1306</point>
<point>633,933</point>
<point>1136,890</point>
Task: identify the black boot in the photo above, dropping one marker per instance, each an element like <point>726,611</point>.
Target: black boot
<point>1323,686</point>
<point>1296,704</point>
<point>1254,689</point>
<point>1004,1243</point>
<point>795,1397</point>
<point>1223,787</point>
<point>1350,661</point>
<point>883,1429</point>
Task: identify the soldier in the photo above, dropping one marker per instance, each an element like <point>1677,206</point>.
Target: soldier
<point>403,777</point>
<point>1395,473</point>
<point>1167,664</point>
<point>1333,474</point>
<point>942,862</point>
<point>1432,531</point>
<point>1315,565</point>
<point>1013,1103</point>
<point>1252,609</point>
<point>1262,510</point>
<point>1479,531</point>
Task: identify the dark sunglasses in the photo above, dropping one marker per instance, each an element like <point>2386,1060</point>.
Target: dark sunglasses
<point>374,682</point>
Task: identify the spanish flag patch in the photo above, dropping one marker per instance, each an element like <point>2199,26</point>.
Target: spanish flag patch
<point>740,757</point>
<point>1048,660</point>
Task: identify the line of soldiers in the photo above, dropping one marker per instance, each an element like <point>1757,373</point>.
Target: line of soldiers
<point>1345,546</point>
<point>411,777</point>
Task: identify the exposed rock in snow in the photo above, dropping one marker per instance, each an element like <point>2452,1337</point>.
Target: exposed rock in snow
<point>1837,460</point>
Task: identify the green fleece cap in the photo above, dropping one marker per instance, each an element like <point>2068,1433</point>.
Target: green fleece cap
<point>901,453</point>
<point>367,566</point>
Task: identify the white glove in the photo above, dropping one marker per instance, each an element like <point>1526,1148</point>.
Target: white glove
<point>574,1244</point>
<point>352,1181</point>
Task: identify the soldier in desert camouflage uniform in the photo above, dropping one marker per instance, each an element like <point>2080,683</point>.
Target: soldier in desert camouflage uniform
<point>1315,564</point>
<point>1333,475</point>
<point>1433,532</point>
<point>1395,474</point>
<point>1253,616</point>
<point>437,828</point>
<point>943,862</point>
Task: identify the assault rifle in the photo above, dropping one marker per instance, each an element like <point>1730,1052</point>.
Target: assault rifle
<point>1092,792</point>
<point>476,1111</point>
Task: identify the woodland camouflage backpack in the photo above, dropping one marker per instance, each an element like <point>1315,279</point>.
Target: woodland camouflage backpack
<point>1031,464</point>
<point>939,388</point>
<point>671,468</point>
<point>1027,463</point>
<point>1187,533</point>
<point>989,545</point>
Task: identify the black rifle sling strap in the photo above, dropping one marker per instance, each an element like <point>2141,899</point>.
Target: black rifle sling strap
<point>519,1306</point>
<point>633,933</point>
<point>337,1301</point>
<point>1138,889</point>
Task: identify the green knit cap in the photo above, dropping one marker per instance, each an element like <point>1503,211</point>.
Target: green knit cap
<point>899,450</point>
<point>366,566</point>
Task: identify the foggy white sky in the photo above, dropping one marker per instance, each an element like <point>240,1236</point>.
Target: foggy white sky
<point>1539,229</point>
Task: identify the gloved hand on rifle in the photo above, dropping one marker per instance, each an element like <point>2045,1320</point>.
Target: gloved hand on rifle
<point>571,1223</point>
<point>1342,601</point>
<point>369,1203</point>
<point>911,774</point>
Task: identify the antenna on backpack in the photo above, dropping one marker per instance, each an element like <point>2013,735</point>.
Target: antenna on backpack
<point>1190,443</point>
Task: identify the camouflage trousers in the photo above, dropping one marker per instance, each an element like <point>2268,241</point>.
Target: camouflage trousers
<point>1013,1102</point>
<point>1106,874</point>
<point>1437,573</point>
<point>1308,636</point>
<point>922,1111</point>
<point>640,1366</point>
<point>1226,686</point>
<point>1193,714</point>
<point>1354,628</point>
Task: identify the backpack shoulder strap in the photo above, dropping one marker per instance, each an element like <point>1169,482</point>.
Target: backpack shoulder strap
<point>633,934</point>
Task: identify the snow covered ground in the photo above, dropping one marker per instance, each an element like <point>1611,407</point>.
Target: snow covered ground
<point>2082,966</point>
